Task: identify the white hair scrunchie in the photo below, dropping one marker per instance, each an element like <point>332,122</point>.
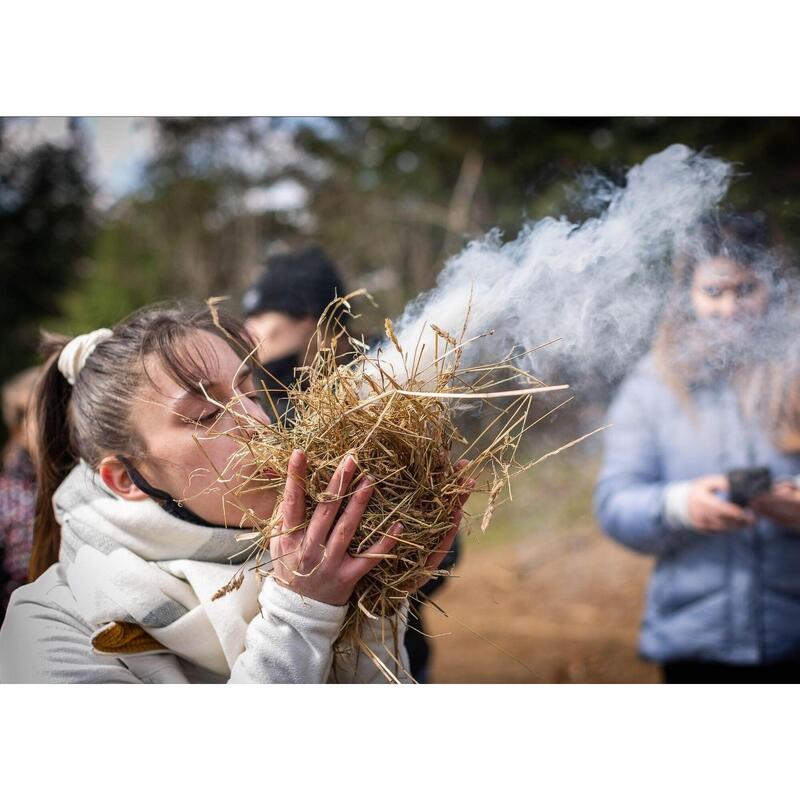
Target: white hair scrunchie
<point>77,350</point>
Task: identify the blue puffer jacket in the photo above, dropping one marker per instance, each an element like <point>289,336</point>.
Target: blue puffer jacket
<point>731,597</point>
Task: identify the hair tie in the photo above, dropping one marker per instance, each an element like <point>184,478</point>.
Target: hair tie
<point>77,350</point>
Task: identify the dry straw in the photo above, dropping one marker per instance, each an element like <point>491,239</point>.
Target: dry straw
<point>401,430</point>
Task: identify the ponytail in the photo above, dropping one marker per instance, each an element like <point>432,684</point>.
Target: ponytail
<point>92,417</point>
<point>55,456</point>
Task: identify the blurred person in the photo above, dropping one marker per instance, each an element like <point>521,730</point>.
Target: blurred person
<point>719,391</point>
<point>17,484</point>
<point>281,311</point>
<point>133,539</point>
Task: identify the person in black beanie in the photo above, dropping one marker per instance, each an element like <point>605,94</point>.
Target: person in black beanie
<point>281,311</point>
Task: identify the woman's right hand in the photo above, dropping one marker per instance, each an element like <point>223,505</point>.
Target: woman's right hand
<point>312,559</point>
<point>710,513</point>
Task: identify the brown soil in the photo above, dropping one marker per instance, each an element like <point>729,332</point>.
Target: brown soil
<point>567,607</point>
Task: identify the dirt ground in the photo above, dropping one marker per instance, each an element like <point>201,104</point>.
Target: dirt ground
<point>560,608</point>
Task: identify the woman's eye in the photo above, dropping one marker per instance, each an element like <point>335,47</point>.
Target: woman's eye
<point>208,418</point>
<point>247,388</point>
<point>712,291</point>
<point>745,289</point>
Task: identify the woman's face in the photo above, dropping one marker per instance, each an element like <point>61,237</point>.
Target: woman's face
<point>190,440</point>
<point>278,335</point>
<point>726,292</point>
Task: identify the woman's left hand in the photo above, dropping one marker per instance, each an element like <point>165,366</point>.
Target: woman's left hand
<point>781,505</point>
<point>437,556</point>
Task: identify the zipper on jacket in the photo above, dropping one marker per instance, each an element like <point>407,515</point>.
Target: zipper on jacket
<point>757,544</point>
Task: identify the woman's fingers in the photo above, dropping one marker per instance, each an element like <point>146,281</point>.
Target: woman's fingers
<point>322,519</point>
<point>361,564</point>
<point>437,556</point>
<point>729,514</point>
<point>293,506</point>
<point>713,525</point>
<point>320,543</point>
<point>469,485</point>
<point>347,524</point>
<point>724,517</point>
<point>781,507</point>
<point>713,509</point>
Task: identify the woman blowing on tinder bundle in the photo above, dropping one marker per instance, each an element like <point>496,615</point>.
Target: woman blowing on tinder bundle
<point>125,572</point>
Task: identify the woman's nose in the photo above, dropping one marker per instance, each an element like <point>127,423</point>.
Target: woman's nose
<point>727,305</point>
<point>254,409</point>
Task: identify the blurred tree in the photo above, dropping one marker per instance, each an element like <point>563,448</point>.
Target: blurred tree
<point>401,195</point>
<point>389,197</point>
<point>122,274</point>
<point>213,194</point>
<point>46,230</point>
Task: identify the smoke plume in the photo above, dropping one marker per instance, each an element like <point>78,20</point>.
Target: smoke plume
<point>598,284</point>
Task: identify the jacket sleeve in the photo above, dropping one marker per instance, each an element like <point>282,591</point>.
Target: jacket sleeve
<point>631,491</point>
<point>40,643</point>
<point>382,657</point>
<point>290,641</point>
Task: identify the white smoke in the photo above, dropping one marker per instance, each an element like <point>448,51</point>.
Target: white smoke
<point>598,285</point>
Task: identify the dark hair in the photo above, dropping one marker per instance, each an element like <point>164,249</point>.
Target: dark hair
<point>300,284</point>
<point>743,238</point>
<point>91,419</point>
<point>768,385</point>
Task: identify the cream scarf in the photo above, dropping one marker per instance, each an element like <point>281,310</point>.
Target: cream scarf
<point>131,566</point>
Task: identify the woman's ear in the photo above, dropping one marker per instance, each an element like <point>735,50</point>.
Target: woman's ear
<point>115,477</point>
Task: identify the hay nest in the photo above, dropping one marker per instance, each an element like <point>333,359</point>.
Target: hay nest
<point>400,429</point>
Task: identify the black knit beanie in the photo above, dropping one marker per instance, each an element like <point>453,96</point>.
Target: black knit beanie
<point>300,284</point>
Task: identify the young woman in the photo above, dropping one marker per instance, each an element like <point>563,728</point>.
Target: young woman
<point>718,392</point>
<point>133,534</point>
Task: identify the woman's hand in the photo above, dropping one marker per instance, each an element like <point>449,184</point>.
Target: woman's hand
<point>312,559</point>
<point>437,556</point>
<point>781,505</point>
<point>710,513</point>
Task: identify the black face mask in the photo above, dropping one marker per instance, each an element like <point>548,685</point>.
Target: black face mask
<point>276,375</point>
<point>165,500</point>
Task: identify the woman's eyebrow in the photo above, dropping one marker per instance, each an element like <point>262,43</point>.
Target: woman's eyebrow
<point>198,394</point>
<point>241,374</point>
<point>206,387</point>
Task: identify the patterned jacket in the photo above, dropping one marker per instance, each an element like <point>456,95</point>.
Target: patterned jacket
<point>731,597</point>
<point>17,498</point>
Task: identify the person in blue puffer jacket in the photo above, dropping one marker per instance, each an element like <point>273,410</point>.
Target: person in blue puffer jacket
<point>719,390</point>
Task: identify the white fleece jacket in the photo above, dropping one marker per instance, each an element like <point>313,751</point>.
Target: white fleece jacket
<point>131,600</point>
<point>44,640</point>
